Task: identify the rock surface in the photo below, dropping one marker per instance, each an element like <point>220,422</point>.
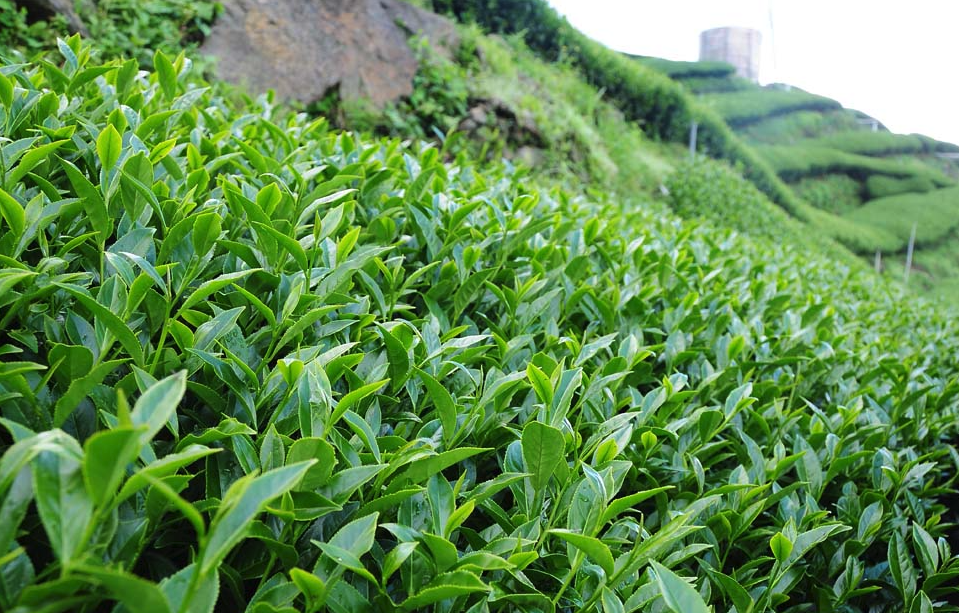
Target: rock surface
<point>48,8</point>
<point>304,49</point>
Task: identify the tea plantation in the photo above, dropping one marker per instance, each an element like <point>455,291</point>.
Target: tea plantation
<point>250,362</point>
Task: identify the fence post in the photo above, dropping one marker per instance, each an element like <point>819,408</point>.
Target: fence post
<point>693,132</point>
<point>912,243</point>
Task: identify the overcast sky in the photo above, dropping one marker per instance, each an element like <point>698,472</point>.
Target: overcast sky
<point>897,60</point>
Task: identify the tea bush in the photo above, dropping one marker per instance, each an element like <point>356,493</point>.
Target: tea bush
<point>880,186</point>
<point>866,142</point>
<point>837,194</point>
<point>794,162</point>
<point>749,106</point>
<point>688,70</point>
<point>249,363</point>
<point>935,215</point>
<point>120,28</point>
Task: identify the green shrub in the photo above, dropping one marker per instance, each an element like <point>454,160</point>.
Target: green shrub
<point>687,70</point>
<point>251,364</point>
<point>137,28</point>
<point>749,106</point>
<point>879,186</point>
<point>866,142</point>
<point>935,214</point>
<point>715,85</point>
<point>834,193</point>
<point>118,28</point>
<point>18,33</point>
<point>799,125</point>
<point>793,162</point>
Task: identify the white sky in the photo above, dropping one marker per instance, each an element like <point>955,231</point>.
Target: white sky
<point>897,60</point>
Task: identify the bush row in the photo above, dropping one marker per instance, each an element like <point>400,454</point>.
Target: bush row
<point>793,162</point>
<point>837,193</point>
<point>935,215</point>
<point>880,186</point>
<point>800,125</point>
<point>681,71</point>
<point>250,364</point>
<point>866,142</point>
<point>742,108</point>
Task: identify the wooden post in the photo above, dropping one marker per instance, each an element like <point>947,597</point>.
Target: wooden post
<point>693,133</point>
<point>912,243</point>
<point>878,261</point>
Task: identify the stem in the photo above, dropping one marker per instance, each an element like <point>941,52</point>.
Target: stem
<point>163,335</point>
<point>577,562</point>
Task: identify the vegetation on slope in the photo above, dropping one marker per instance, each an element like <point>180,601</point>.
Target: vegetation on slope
<point>835,159</point>
<point>664,109</point>
<point>121,28</point>
<point>837,193</point>
<point>935,215</point>
<point>750,106</point>
<point>881,143</point>
<point>362,378</point>
<point>794,162</point>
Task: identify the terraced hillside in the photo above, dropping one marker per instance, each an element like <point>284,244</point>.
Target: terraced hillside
<point>842,161</point>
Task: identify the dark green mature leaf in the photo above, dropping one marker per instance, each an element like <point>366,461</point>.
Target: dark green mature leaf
<point>116,325</point>
<point>241,504</point>
<point>93,203</point>
<point>444,587</point>
<point>900,565</point>
<point>399,359</point>
<point>80,388</point>
<point>135,593</point>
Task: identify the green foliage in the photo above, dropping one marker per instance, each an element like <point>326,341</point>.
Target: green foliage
<point>793,162</point>
<point>663,107</point>
<point>749,106</point>
<point>837,194</point>
<point>439,98</point>
<point>681,71</point>
<point>137,28</point>
<point>800,125</point>
<point>704,189</point>
<point>118,28</point>
<point>715,85</point>
<point>364,378</point>
<point>867,142</point>
<point>583,137</point>
<point>935,214</point>
<point>879,186</point>
<point>18,32</point>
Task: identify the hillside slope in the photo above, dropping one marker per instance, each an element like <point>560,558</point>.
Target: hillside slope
<point>253,362</point>
<point>847,163</point>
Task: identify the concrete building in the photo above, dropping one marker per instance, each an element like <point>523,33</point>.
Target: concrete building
<point>737,46</point>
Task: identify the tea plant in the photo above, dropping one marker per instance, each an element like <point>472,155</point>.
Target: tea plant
<point>249,363</point>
